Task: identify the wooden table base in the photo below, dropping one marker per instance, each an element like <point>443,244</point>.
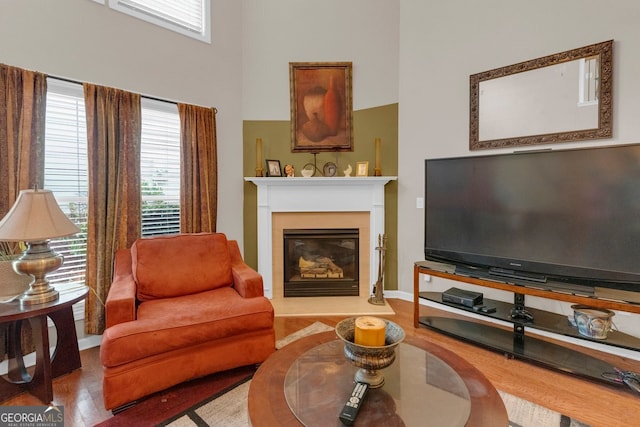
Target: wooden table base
<point>64,359</point>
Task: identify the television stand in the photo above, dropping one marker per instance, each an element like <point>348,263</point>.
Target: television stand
<point>516,343</point>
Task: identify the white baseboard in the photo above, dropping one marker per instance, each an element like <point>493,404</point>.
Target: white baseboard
<point>89,341</point>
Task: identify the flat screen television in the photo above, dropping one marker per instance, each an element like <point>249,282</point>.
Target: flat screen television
<point>570,215</point>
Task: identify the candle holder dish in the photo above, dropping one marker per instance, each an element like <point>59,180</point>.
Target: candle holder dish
<point>370,359</point>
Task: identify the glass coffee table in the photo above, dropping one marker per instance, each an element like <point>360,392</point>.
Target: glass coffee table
<point>308,382</point>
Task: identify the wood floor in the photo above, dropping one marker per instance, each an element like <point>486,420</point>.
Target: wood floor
<point>597,405</point>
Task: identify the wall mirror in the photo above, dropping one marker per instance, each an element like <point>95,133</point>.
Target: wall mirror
<point>557,98</point>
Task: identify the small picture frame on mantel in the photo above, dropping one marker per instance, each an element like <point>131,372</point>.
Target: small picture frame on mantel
<point>273,168</point>
<point>362,168</point>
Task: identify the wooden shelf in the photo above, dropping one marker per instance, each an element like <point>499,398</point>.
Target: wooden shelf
<point>426,267</point>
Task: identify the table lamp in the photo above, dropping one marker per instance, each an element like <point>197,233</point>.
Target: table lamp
<point>35,218</point>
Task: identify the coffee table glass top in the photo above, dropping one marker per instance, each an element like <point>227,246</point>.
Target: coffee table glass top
<point>419,389</point>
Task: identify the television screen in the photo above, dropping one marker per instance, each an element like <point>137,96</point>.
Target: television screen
<point>561,214</point>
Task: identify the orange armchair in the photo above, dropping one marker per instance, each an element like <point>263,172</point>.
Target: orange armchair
<point>181,307</point>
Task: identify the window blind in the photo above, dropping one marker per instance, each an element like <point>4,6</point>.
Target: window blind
<point>65,173</point>
<point>185,13</point>
<point>188,17</point>
<point>160,168</point>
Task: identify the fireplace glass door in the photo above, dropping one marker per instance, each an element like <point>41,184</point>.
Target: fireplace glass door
<point>321,262</point>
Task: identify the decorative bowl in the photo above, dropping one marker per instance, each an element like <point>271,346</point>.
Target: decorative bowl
<point>368,358</point>
<point>307,171</point>
<point>592,322</point>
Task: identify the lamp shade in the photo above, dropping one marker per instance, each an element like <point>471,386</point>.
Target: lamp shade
<point>35,216</point>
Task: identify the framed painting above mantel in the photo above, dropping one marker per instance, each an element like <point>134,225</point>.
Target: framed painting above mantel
<point>321,106</point>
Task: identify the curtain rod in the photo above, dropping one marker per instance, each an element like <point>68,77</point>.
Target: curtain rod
<point>154,98</point>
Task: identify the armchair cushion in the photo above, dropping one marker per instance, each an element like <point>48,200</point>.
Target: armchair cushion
<point>171,266</point>
<point>194,319</point>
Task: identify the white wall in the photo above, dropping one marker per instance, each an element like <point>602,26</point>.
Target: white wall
<point>86,41</point>
<point>443,43</point>
<point>276,32</point>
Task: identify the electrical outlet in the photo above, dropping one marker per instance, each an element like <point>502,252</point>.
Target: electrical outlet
<point>419,203</point>
<point>427,277</point>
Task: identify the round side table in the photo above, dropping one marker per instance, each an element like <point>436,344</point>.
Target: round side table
<point>65,358</point>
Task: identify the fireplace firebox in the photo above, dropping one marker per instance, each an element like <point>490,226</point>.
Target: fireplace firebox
<point>321,262</point>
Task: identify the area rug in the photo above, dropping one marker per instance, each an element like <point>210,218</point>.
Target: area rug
<point>163,405</point>
<point>523,413</point>
<point>230,408</point>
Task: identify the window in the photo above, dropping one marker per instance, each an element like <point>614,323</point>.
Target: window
<point>160,168</point>
<point>66,171</point>
<point>589,80</point>
<point>188,17</point>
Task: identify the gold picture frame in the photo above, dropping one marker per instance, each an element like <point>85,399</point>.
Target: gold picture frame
<point>321,106</point>
<point>362,168</point>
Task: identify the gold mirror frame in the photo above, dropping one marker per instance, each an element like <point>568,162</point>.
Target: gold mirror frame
<point>605,108</point>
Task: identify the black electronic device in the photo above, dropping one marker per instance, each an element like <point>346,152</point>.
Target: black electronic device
<point>462,297</point>
<point>550,216</point>
<point>350,410</point>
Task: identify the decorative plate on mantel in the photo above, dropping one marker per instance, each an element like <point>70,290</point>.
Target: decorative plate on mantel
<point>329,169</point>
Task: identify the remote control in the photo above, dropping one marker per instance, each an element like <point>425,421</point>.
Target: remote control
<point>488,309</point>
<point>351,408</point>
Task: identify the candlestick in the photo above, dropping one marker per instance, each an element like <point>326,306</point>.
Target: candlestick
<point>258,156</point>
<point>377,170</point>
<point>369,331</point>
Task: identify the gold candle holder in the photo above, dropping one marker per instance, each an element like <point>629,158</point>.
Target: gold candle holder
<point>370,359</point>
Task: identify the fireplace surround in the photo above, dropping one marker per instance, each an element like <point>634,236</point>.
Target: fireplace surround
<point>322,202</point>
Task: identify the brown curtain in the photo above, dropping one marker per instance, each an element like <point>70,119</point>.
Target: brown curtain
<point>23,96</point>
<point>113,137</point>
<point>199,169</point>
<point>23,99</point>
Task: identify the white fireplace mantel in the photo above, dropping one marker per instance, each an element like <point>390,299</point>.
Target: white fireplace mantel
<point>323,194</point>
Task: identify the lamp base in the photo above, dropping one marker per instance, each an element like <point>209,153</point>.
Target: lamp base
<point>38,260</point>
<point>36,296</point>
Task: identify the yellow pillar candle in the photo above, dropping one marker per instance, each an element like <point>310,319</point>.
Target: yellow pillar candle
<point>259,153</point>
<point>377,169</point>
<point>370,331</point>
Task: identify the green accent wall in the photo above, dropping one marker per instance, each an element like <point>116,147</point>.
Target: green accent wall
<point>369,124</point>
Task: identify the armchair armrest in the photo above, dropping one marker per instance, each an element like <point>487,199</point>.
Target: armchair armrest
<point>246,280</point>
<point>121,301</point>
